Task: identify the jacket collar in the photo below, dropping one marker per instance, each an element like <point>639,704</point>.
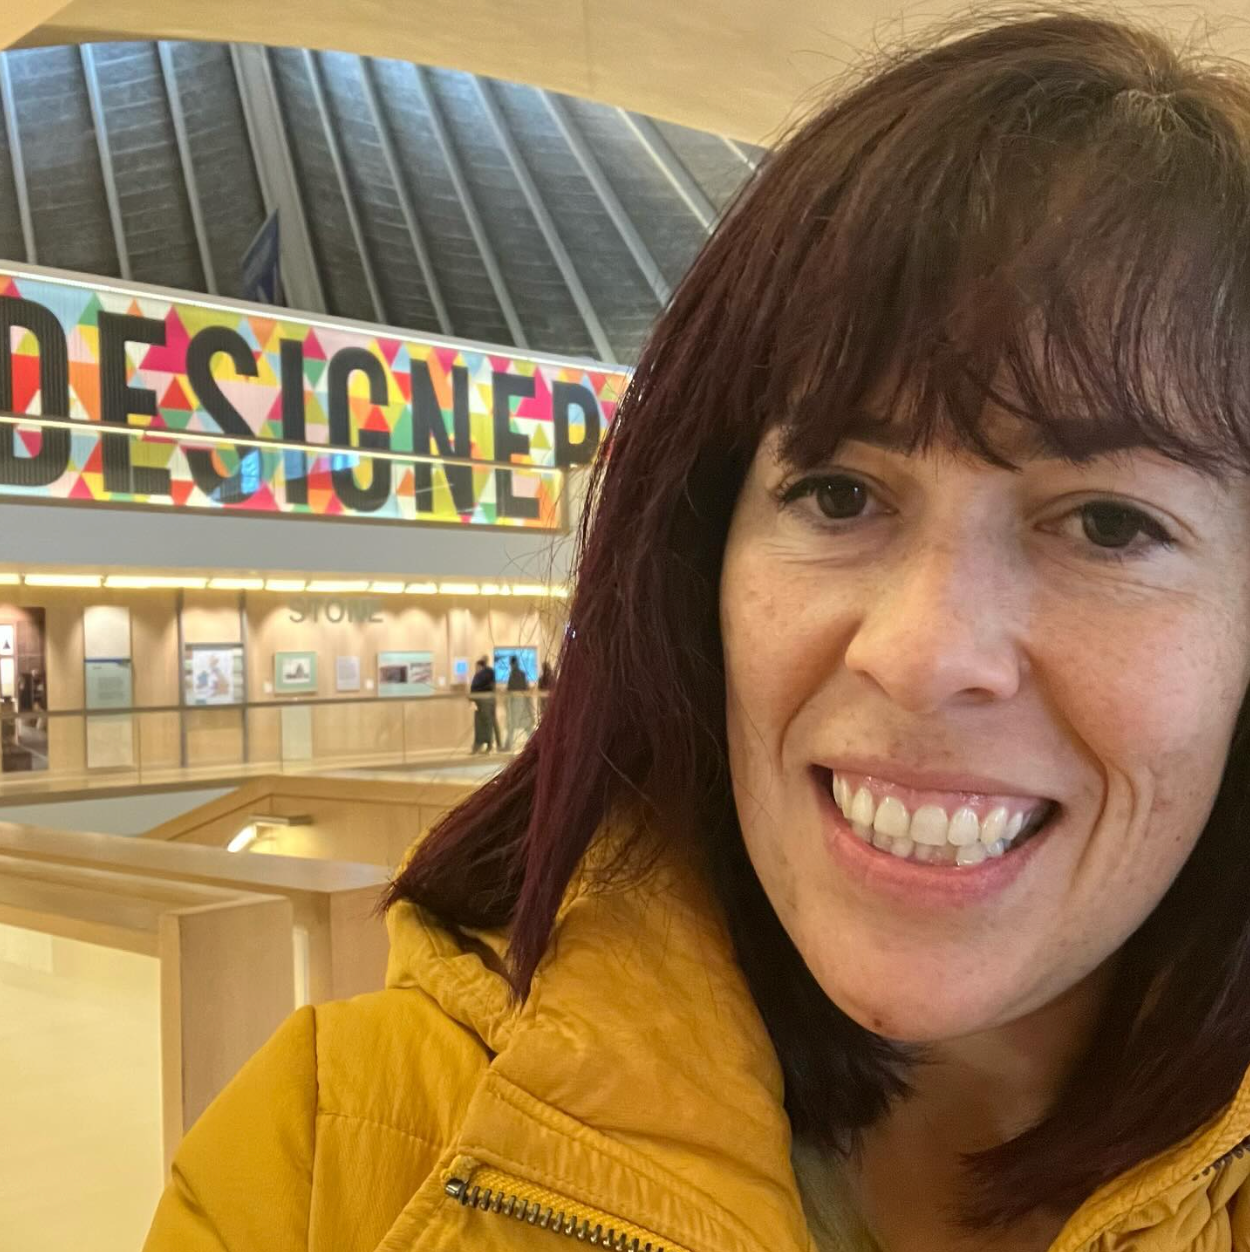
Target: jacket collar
<point>639,1076</point>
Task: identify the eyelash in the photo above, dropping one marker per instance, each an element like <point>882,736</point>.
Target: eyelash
<point>789,494</point>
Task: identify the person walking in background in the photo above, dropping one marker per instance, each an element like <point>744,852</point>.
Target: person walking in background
<point>482,693</point>
<point>546,680</point>
<point>520,706</point>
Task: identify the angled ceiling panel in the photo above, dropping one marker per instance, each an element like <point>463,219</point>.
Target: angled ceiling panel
<point>324,203</point>
<point>434,199</point>
<point>457,261</point>
<point>223,165</point>
<point>378,200</point>
<point>63,176</point>
<point>625,303</point>
<point>670,230</point>
<point>544,305</point>
<point>155,212</point>
<point>710,161</point>
<point>12,244</point>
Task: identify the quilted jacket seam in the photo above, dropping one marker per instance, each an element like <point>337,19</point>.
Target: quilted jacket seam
<point>437,1145</point>
<point>521,1100</point>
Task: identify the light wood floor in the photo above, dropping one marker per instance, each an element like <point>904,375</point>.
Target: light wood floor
<point>80,1152</point>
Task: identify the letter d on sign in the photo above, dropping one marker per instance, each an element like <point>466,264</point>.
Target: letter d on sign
<point>52,459</point>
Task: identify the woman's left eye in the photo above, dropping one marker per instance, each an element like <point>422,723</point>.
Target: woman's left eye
<point>1119,530</point>
<point>838,497</point>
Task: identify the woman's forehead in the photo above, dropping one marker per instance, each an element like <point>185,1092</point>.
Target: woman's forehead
<point>1005,432</point>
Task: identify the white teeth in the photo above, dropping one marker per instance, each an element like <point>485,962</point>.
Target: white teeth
<point>994,826</point>
<point>927,834</point>
<point>928,825</point>
<point>840,789</point>
<point>892,818</point>
<point>964,829</point>
<point>862,807</point>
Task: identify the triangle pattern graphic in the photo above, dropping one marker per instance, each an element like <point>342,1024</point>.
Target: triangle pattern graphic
<point>253,394</point>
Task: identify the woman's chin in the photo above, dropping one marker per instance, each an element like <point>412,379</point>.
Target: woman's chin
<point>922,1012</point>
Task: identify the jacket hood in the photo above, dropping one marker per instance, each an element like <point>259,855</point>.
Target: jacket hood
<point>639,1071</point>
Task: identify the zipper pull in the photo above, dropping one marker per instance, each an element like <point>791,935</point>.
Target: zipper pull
<point>473,1185</point>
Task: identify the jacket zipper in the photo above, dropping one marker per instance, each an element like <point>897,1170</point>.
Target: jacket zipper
<point>493,1191</point>
<point>1238,1150</point>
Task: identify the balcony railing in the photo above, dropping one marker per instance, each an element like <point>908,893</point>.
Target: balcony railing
<point>71,750</point>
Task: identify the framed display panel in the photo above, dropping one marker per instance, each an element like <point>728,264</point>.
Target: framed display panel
<point>405,673</point>
<point>347,673</point>
<point>213,673</point>
<point>295,673</point>
<point>106,632</point>
<point>109,684</point>
<point>110,739</point>
<point>503,664</point>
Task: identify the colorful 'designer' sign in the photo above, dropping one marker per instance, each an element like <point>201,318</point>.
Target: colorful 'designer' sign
<point>104,354</point>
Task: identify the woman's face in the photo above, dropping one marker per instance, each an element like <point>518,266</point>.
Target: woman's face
<point>967,652</point>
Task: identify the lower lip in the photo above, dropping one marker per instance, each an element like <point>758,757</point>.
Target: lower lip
<point>913,882</point>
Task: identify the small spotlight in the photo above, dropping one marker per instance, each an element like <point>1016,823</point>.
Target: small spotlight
<point>244,839</point>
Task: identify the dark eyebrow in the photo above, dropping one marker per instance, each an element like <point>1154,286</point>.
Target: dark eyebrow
<point>1051,438</point>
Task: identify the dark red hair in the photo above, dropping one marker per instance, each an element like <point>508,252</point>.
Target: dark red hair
<point>1054,212</point>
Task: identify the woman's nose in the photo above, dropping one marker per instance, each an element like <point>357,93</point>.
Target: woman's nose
<point>943,626</point>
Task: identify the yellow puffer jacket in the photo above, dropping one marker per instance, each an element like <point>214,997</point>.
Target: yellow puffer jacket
<point>634,1096</point>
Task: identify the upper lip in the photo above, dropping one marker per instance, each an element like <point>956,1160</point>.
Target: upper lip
<point>919,779</point>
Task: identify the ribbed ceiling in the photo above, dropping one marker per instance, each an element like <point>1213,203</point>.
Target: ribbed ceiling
<point>432,199</point>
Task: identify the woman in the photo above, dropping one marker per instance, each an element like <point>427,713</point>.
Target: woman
<point>903,905</point>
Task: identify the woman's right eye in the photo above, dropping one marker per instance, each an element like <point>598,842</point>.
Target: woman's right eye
<point>839,497</point>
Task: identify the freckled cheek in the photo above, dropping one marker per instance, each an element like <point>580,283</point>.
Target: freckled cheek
<point>1153,708</point>
<point>779,635</point>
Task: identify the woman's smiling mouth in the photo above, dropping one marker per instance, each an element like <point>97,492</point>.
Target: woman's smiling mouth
<point>941,828</point>
<point>935,827</point>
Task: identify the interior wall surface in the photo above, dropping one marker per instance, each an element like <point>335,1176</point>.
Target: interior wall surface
<point>51,534</point>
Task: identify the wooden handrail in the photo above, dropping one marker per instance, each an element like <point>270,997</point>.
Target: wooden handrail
<point>283,702</point>
<point>227,977</point>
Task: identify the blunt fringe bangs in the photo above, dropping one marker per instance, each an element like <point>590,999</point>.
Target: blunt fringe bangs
<point>1046,210</point>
